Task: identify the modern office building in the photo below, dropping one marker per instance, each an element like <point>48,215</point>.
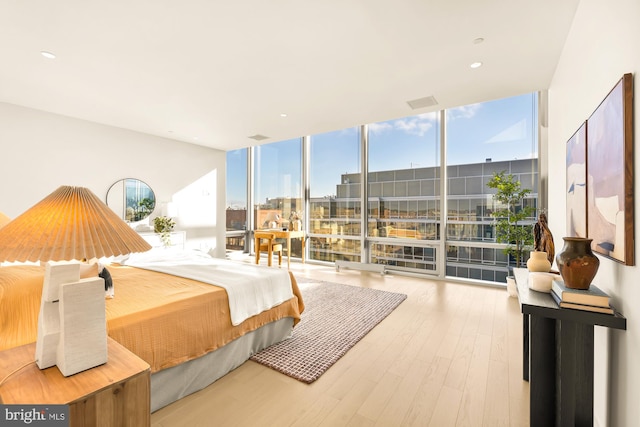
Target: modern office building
<point>404,221</point>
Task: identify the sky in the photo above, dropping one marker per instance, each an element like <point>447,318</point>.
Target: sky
<point>500,130</point>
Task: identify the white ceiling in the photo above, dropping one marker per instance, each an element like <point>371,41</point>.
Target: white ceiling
<point>221,71</point>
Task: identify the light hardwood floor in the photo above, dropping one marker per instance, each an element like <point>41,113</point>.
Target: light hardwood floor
<point>449,355</point>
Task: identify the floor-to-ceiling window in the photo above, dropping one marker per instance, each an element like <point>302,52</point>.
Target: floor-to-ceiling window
<point>404,227</point>
<point>278,185</point>
<point>484,138</point>
<point>403,191</point>
<point>334,190</point>
<point>236,207</point>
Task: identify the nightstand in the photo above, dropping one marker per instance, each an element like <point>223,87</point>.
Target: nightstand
<point>114,394</point>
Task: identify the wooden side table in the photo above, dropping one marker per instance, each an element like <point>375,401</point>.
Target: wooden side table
<point>114,394</point>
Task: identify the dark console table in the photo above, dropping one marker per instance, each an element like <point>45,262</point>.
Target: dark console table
<point>558,356</point>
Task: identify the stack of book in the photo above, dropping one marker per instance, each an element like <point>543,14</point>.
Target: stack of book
<point>592,299</point>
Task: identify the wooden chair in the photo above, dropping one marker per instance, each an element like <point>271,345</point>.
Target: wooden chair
<point>266,242</point>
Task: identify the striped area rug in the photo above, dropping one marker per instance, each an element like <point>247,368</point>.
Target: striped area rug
<point>335,318</point>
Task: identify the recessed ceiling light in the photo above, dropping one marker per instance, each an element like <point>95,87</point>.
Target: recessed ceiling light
<point>283,115</point>
<point>476,65</point>
<point>478,40</point>
<point>48,55</point>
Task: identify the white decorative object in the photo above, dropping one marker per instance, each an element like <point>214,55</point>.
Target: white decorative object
<point>49,318</point>
<point>541,282</point>
<point>72,323</point>
<point>143,227</point>
<point>272,219</point>
<point>538,261</point>
<point>83,326</point>
<point>512,288</point>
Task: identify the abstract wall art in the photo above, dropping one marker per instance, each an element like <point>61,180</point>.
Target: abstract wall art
<point>609,136</point>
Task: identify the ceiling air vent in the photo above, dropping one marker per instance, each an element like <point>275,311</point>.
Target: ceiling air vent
<point>427,101</point>
<point>259,137</point>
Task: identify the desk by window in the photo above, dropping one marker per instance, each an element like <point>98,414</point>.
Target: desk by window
<point>288,234</point>
<point>558,356</point>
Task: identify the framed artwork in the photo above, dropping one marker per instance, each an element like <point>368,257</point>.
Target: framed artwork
<point>610,174</point>
<point>577,183</point>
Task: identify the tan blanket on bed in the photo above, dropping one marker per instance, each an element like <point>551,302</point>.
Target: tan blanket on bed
<point>164,319</point>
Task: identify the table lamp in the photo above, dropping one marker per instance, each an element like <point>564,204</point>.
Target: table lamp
<point>4,220</point>
<point>71,224</point>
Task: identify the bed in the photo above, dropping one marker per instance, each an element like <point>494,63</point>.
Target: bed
<point>173,311</point>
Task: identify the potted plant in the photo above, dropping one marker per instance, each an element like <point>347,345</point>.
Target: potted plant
<point>163,225</point>
<point>511,215</point>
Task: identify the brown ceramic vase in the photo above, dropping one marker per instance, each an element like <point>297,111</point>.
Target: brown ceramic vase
<point>577,263</point>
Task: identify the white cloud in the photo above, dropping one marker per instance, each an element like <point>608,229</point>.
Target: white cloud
<point>379,127</point>
<point>464,112</point>
<point>414,126</point>
<point>350,131</point>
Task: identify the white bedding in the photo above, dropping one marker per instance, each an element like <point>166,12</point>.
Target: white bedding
<point>251,289</point>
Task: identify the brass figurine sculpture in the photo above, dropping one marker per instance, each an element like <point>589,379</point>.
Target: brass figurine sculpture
<point>543,239</point>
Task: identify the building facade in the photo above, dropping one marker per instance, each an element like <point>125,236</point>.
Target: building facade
<point>404,221</point>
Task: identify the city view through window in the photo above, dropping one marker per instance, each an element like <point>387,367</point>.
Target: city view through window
<point>404,226</point>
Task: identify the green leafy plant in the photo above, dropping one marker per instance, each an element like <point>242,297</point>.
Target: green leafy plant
<point>163,225</point>
<point>511,215</point>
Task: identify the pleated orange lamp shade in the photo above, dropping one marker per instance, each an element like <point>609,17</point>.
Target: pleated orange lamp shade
<point>71,223</point>
<point>4,220</point>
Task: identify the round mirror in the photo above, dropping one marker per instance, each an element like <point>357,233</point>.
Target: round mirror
<point>133,200</point>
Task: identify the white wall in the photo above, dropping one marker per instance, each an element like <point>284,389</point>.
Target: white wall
<point>603,44</point>
<point>42,151</point>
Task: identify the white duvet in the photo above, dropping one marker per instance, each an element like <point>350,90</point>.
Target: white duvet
<point>252,289</point>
